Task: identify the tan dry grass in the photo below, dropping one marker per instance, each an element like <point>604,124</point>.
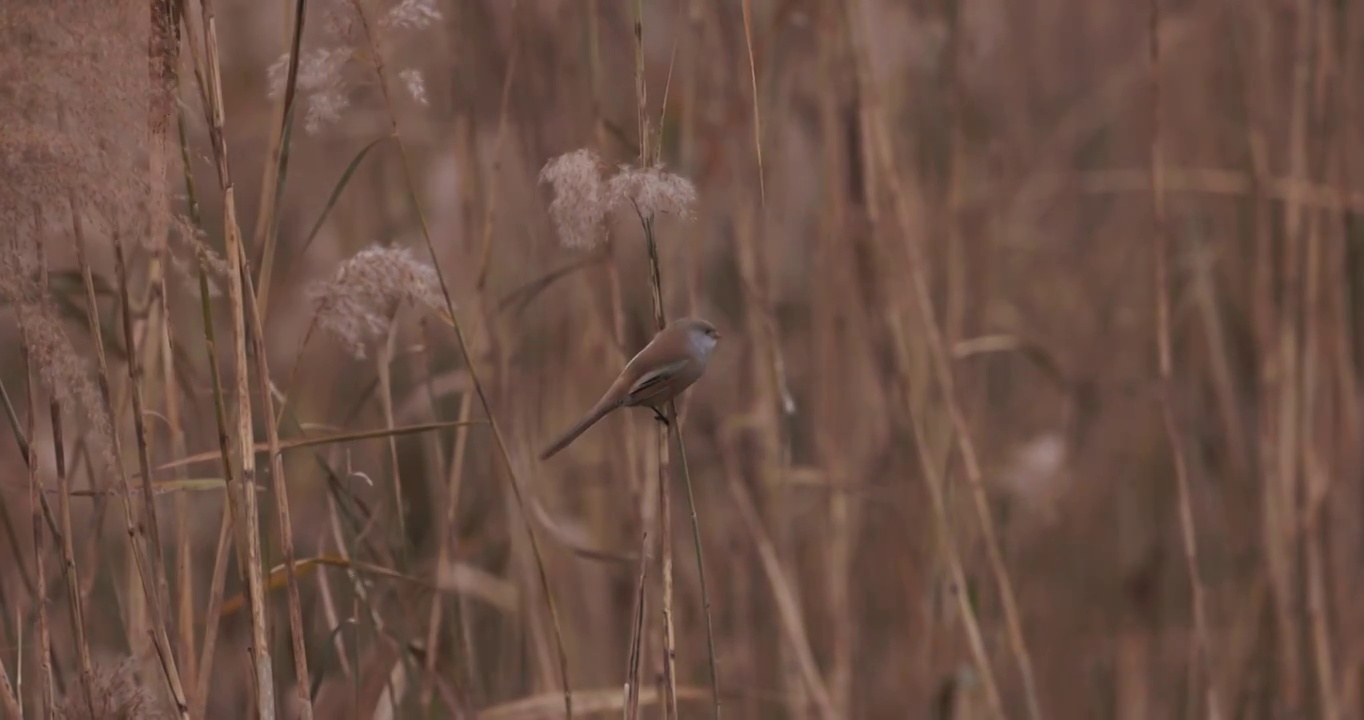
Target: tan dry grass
<point>936,468</point>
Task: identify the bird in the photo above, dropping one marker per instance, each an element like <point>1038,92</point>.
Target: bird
<point>673,360</point>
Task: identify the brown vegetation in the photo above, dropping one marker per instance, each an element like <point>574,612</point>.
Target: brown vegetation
<point>1038,395</point>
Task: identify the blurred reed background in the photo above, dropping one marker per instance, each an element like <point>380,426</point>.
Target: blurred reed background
<point>1038,393</point>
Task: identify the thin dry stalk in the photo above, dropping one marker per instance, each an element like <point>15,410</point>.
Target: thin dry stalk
<point>163,64</point>
<point>144,461</point>
<point>184,555</point>
<point>409,176</point>
<point>1316,437</point>
<point>216,586</point>
<point>666,541</point>
<point>1283,551</point>
<point>641,88</point>
<point>669,679</point>
<point>218,579</point>
<point>1316,482</point>
<point>700,570</point>
<point>454,480</point>
<point>272,179</point>
<point>383,365</point>
<point>884,155</point>
<point>280,488</point>
<point>1200,666</point>
<point>243,499</point>
<point>842,512</point>
<point>757,116</point>
<point>490,205</point>
<point>49,695</point>
<point>943,527</point>
<point>632,682</point>
<point>68,546</point>
<point>136,536</point>
<point>454,483</point>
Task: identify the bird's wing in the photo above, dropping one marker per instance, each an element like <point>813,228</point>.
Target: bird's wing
<point>653,382</point>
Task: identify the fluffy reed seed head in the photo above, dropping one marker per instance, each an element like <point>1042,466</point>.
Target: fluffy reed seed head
<point>331,74</point>
<point>359,302</point>
<point>580,197</point>
<point>583,199</point>
<point>652,191</point>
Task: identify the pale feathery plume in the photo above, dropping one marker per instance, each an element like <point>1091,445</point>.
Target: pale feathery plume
<point>581,199</point>
<point>651,190</point>
<point>358,303</point>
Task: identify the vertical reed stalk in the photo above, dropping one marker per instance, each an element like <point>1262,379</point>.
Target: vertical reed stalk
<point>280,488</point>
<point>383,361</point>
<point>826,311</point>
<point>272,176</point>
<point>1200,666</point>
<point>204,668</point>
<point>669,678</point>
<point>163,53</point>
<point>246,516</point>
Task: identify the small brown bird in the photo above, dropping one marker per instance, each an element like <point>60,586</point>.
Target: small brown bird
<point>669,364</point>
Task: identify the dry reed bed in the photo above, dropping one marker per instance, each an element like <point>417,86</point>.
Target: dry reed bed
<point>1038,395</point>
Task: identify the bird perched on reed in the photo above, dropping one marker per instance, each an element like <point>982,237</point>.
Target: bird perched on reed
<point>672,361</point>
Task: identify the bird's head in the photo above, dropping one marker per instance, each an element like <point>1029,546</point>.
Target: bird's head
<point>702,334</point>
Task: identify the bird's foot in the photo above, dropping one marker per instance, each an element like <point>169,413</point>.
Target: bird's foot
<point>659,416</point>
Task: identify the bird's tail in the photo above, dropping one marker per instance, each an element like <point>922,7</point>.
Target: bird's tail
<point>602,408</point>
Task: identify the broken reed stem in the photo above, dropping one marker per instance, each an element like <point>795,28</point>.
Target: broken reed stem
<point>133,525</point>
<point>879,139</point>
<point>1199,667</point>
<point>246,515</point>
<point>377,60</point>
